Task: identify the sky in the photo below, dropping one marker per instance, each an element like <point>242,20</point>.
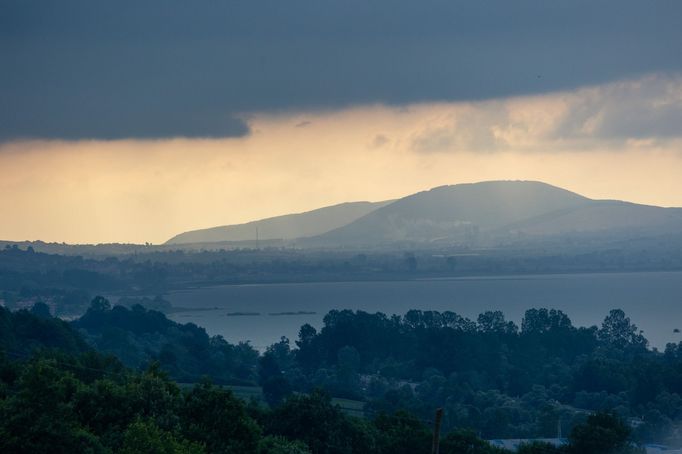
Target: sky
<point>134,121</point>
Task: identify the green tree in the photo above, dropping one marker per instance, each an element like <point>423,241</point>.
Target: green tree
<point>100,304</point>
<point>41,310</point>
<point>402,433</point>
<point>538,321</point>
<point>143,436</point>
<point>320,425</point>
<point>619,332</point>
<point>214,417</point>
<point>602,433</point>
<point>494,322</point>
<point>275,386</point>
<point>40,416</point>
<point>276,389</point>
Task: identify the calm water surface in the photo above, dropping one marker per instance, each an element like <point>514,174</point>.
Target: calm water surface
<point>652,300</point>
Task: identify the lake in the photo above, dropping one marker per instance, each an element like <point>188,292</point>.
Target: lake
<point>653,301</point>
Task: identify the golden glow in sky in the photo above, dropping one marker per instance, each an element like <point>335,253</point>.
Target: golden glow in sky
<point>608,141</point>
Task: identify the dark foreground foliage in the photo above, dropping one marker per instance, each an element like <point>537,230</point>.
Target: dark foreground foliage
<point>494,380</point>
<point>501,380</point>
<point>62,404</point>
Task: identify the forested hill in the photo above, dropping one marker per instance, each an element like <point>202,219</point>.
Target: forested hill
<point>23,332</point>
<point>138,337</point>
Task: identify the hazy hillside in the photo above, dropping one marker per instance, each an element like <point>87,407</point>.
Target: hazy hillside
<point>481,213</point>
<point>456,212</point>
<point>603,215</point>
<point>285,227</point>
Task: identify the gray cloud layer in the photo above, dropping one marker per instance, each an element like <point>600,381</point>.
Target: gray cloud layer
<point>103,69</point>
<point>650,108</point>
<point>647,110</point>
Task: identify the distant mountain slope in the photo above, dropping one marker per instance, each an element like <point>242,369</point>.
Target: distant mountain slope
<point>457,211</point>
<point>602,215</point>
<point>285,227</point>
<point>481,212</point>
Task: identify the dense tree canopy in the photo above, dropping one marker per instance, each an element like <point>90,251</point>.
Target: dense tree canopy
<point>494,380</point>
<point>139,336</point>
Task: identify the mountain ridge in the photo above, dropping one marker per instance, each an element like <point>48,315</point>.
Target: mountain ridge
<point>456,212</point>
<point>284,227</point>
<point>479,214</point>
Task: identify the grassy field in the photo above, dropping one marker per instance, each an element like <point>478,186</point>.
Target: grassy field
<point>248,392</point>
<point>348,406</point>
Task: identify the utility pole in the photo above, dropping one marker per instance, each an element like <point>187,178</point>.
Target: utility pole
<point>435,447</point>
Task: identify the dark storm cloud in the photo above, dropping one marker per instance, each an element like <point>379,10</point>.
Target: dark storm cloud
<point>114,69</point>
